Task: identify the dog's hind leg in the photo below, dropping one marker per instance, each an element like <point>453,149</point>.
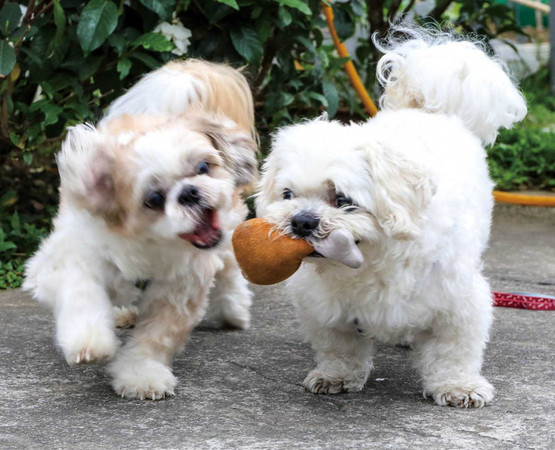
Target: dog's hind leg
<point>230,298</point>
<point>449,355</point>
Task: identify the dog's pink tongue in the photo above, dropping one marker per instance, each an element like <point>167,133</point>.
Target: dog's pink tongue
<point>340,246</point>
<point>207,233</point>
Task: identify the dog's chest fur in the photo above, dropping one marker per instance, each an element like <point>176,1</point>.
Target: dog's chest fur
<point>386,301</point>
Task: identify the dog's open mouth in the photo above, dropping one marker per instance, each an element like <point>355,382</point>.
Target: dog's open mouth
<point>315,254</point>
<point>208,233</point>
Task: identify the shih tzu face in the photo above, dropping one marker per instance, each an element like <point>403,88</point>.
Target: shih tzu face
<point>313,183</point>
<point>323,176</point>
<point>172,181</point>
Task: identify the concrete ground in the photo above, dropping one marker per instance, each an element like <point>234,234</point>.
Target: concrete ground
<point>243,389</point>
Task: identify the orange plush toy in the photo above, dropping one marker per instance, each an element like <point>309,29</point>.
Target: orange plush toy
<point>267,256</point>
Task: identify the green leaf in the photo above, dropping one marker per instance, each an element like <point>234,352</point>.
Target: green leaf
<point>7,58</point>
<point>17,33</point>
<point>232,3</point>
<point>118,43</point>
<point>28,158</point>
<point>277,100</point>
<point>124,66</point>
<point>319,97</point>
<point>60,21</point>
<point>246,42</point>
<point>146,59</point>
<point>15,138</point>
<point>284,18</point>
<point>307,44</point>
<point>343,22</point>
<point>164,8</point>
<point>90,66</point>
<point>7,245</point>
<point>98,20</point>
<point>9,18</point>
<point>15,223</point>
<point>297,4</point>
<point>154,41</point>
<point>8,197</point>
<point>332,96</point>
<point>263,28</point>
<point>51,113</point>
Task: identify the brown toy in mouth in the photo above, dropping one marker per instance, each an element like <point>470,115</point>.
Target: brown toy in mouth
<point>265,255</point>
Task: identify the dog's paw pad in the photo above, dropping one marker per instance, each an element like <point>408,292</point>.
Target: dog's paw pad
<point>477,397</point>
<point>144,380</point>
<point>125,317</point>
<point>92,345</point>
<point>319,383</point>
<point>145,392</point>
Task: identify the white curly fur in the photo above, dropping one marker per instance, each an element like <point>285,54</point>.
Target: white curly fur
<point>441,72</point>
<point>418,179</point>
<point>106,238</point>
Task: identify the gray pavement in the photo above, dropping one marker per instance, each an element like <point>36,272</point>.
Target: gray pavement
<point>242,389</point>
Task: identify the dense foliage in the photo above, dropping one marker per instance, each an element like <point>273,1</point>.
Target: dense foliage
<point>63,61</point>
<point>524,157</point>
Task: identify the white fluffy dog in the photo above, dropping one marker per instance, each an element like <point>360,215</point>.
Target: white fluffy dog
<point>413,189</point>
<point>151,195</point>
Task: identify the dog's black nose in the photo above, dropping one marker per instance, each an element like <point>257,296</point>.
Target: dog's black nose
<point>189,195</point>
<point>304,223</point>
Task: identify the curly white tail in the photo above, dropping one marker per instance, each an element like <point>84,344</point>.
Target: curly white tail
<point>439,72</point>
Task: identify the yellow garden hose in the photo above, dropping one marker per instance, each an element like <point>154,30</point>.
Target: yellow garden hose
<point>524,199</point>
<point>370,107</point>
<point>349,66</point>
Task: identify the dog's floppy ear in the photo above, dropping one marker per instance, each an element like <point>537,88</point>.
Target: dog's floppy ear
<point>86,171</point>
<point>237,146</point>
<point>266,186</point>
<point>402,190</point>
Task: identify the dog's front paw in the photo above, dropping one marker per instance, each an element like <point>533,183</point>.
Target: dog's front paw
<point>88,344</point>
<point>142,379</point>
<point>464,395</point>
<point>125,316</point>
<point>318,382</point>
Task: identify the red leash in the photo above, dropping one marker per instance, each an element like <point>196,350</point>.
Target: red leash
<point>524,301</point>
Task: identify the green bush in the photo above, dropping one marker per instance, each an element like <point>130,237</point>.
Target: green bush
<point>19,237</point>
<point>524,158</point>
<point>63,61</point>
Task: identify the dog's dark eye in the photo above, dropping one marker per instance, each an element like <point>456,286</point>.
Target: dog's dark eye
<point>155,200</point>
<point>287,194</point>
<point>342,201</point>
<point>203,168</point>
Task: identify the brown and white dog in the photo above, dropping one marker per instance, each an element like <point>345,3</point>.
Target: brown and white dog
<point>151,194</point>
